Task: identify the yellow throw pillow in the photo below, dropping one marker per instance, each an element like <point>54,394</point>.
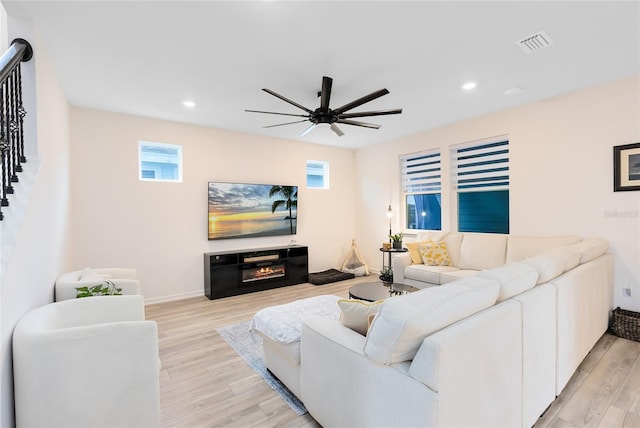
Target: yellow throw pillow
<point>355,313</point>
<point>435,254</point>
<point>414,251</point>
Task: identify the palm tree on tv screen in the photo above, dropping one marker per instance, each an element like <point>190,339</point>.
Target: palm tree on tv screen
<point>290,200</point>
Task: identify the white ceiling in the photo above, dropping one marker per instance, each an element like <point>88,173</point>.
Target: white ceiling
<point>145,58</point>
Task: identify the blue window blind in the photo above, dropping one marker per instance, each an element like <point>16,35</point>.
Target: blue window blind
<point>481,174</point>
<point>422,182</point>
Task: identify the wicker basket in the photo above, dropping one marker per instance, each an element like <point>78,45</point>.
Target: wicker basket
<point>626,324</point>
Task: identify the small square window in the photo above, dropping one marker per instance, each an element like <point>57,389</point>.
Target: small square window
<point>159,161</point>
<point>317,174</point>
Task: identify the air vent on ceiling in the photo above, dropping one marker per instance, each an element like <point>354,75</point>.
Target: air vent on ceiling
<point>535,42</point>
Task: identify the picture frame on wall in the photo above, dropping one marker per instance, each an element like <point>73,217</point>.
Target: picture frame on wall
<point>626,167</point>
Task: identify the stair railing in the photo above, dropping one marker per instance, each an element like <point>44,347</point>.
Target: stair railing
<point>12,115</point>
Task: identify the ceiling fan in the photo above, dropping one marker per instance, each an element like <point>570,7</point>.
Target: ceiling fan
<point>324,114</point>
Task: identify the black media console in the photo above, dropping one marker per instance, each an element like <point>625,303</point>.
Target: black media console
<point>228,274</point>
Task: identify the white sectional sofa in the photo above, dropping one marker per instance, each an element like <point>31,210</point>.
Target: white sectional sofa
<point>493,349</point>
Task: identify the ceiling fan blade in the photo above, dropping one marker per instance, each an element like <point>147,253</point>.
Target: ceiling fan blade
<point>288,123</point>
<point>370,113</point>
<point>353,104</point>
<point>285,99</point>
<point>273,112</point>
<point>336,130</point>
<point>355,123</point>
<point>309,129</point>
<point>325,95</point>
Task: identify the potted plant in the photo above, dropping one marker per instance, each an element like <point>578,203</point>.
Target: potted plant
<point>106,288</point>
<point>386,275</point>
<point>397,240</point>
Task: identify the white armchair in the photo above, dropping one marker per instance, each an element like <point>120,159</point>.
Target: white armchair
<point>90,362</point>
<point>125,278</point>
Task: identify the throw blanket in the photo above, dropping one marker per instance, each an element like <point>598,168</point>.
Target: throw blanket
<point>283,323</point>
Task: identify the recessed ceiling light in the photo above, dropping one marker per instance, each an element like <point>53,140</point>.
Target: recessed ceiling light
<point>469,86</point>
<point>189,104</point>
<point>513,91</point>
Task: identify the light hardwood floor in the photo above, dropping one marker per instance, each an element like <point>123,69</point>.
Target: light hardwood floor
<point>204,383</point>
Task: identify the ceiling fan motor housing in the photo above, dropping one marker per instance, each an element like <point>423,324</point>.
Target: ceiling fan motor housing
<point>323,116</point>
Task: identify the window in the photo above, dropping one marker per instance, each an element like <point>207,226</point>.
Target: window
<point>481,177</point>
<point>317,174</point>
<point>421,186</point>
<point>159,162</point>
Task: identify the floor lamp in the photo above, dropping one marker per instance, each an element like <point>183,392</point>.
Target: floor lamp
<point>389,215</point>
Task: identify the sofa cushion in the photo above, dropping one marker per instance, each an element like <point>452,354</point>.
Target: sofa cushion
<point>591,248</point>
<point>414,251</point>
<point>521,247</point>
<point>569,255</point>
<point>446,277</point>
<point>435,254</point>
<point>553,263</point>
<point>481,251</point>
<point>355,313</point>
<point>404,321</point>
<point>454,241</point>
<point>430,274</point>
<point>283,323</point>
<point>514,278</point>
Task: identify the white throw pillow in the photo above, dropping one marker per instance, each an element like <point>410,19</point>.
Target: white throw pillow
<point>514,278</point>
<point>404,321</point>
<point>356,313</point>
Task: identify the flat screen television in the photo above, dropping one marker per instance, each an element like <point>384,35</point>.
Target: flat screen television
<point>241,210</point>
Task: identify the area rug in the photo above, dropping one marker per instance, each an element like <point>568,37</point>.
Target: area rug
<point>249,346</point>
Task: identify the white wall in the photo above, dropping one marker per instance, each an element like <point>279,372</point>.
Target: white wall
<point>42,249</point>
<point>161,228</point>
<point>561,168</point>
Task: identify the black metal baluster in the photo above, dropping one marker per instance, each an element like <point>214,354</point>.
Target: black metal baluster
<point>21,114</point>
<point>13,126</point>
<point>4,145</point>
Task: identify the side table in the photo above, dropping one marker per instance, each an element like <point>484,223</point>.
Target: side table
<point>387,266</point>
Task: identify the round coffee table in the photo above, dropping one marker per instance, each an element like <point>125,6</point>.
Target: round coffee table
<point>372,291</point>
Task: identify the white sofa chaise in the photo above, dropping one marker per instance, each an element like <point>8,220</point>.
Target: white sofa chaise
<point>432,358</point>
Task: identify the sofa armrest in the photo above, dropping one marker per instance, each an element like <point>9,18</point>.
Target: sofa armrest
<point>398,263</point>
<point>90,310</point>
<point>332,359</point>
<point>475,365</point>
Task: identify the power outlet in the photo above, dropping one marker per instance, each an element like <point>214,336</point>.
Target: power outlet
<point>627,291</point>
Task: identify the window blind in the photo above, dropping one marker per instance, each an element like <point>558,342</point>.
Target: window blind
<point>421,172</point>
<point>482,166</point>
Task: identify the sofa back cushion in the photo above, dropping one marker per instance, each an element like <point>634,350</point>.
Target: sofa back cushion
<point>480,251</point>
<point>554,263</point>
<point>454,241</point>
<point>521,247</point>
<point>514,278</point>
<point>404,321</point>
<point>591,248</point>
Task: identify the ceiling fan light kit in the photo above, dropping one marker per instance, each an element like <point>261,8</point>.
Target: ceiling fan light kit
<point>332,117</point>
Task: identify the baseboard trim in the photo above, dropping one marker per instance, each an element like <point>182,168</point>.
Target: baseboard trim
<point>172,297</point>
